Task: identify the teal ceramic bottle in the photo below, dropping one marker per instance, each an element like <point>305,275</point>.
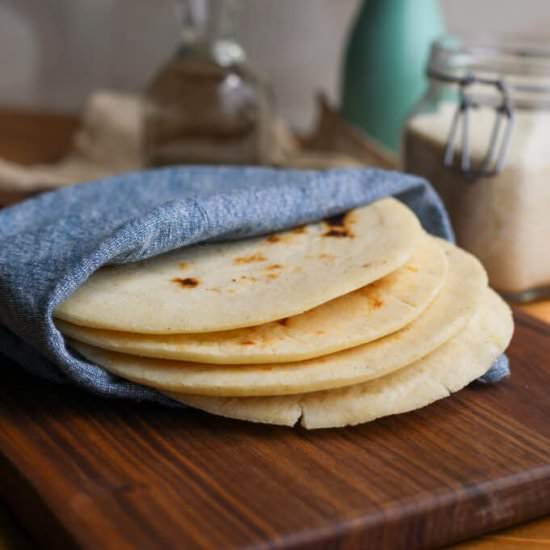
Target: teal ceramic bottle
<point>383,70</point>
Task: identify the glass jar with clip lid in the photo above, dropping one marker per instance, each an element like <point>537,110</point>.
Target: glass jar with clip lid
<point>481,135</point>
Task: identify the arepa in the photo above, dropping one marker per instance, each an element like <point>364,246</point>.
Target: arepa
<point>356,318</point>
<point>216,287</point>
<point>446,370</point>
<point>447,315</point>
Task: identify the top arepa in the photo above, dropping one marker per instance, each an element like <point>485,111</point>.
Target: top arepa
<point>213,287</point>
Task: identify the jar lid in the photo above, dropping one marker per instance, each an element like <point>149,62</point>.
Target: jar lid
<point>526,57</point>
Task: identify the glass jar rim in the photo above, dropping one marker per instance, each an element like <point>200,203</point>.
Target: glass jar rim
<point>505,55</point>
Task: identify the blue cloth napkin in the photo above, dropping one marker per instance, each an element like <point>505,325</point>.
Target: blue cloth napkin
<point>51,244</point>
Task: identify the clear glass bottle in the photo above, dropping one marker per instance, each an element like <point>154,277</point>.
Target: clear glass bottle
<point>481,135</point>
<point>206,106</point>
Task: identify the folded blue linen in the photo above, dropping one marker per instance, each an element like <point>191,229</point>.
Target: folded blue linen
<point>51,244</point>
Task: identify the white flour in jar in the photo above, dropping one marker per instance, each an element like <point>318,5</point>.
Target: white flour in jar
<point>504,219</point>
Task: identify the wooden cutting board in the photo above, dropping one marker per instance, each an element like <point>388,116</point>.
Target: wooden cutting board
<point>93,473</point>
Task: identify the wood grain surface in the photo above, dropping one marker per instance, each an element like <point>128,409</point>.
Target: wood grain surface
<point>532,536</point>
<point>535,534</point>
<point>106,474</point>
<point>31,137</point>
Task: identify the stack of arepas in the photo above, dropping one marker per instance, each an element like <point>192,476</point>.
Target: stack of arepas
<point>331,324</point>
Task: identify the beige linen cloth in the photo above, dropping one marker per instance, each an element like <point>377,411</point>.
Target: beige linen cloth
<point>109,141</point>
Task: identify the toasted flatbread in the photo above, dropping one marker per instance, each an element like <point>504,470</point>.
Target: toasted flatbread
<point>446,316</point>
<point>361,316</point>
<point>214,287</point>
<point>446,370</point>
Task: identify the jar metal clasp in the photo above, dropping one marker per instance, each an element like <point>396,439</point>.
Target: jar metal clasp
<point>499,141</point>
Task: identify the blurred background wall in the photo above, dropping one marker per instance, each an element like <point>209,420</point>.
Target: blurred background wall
<point>54,52</point>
